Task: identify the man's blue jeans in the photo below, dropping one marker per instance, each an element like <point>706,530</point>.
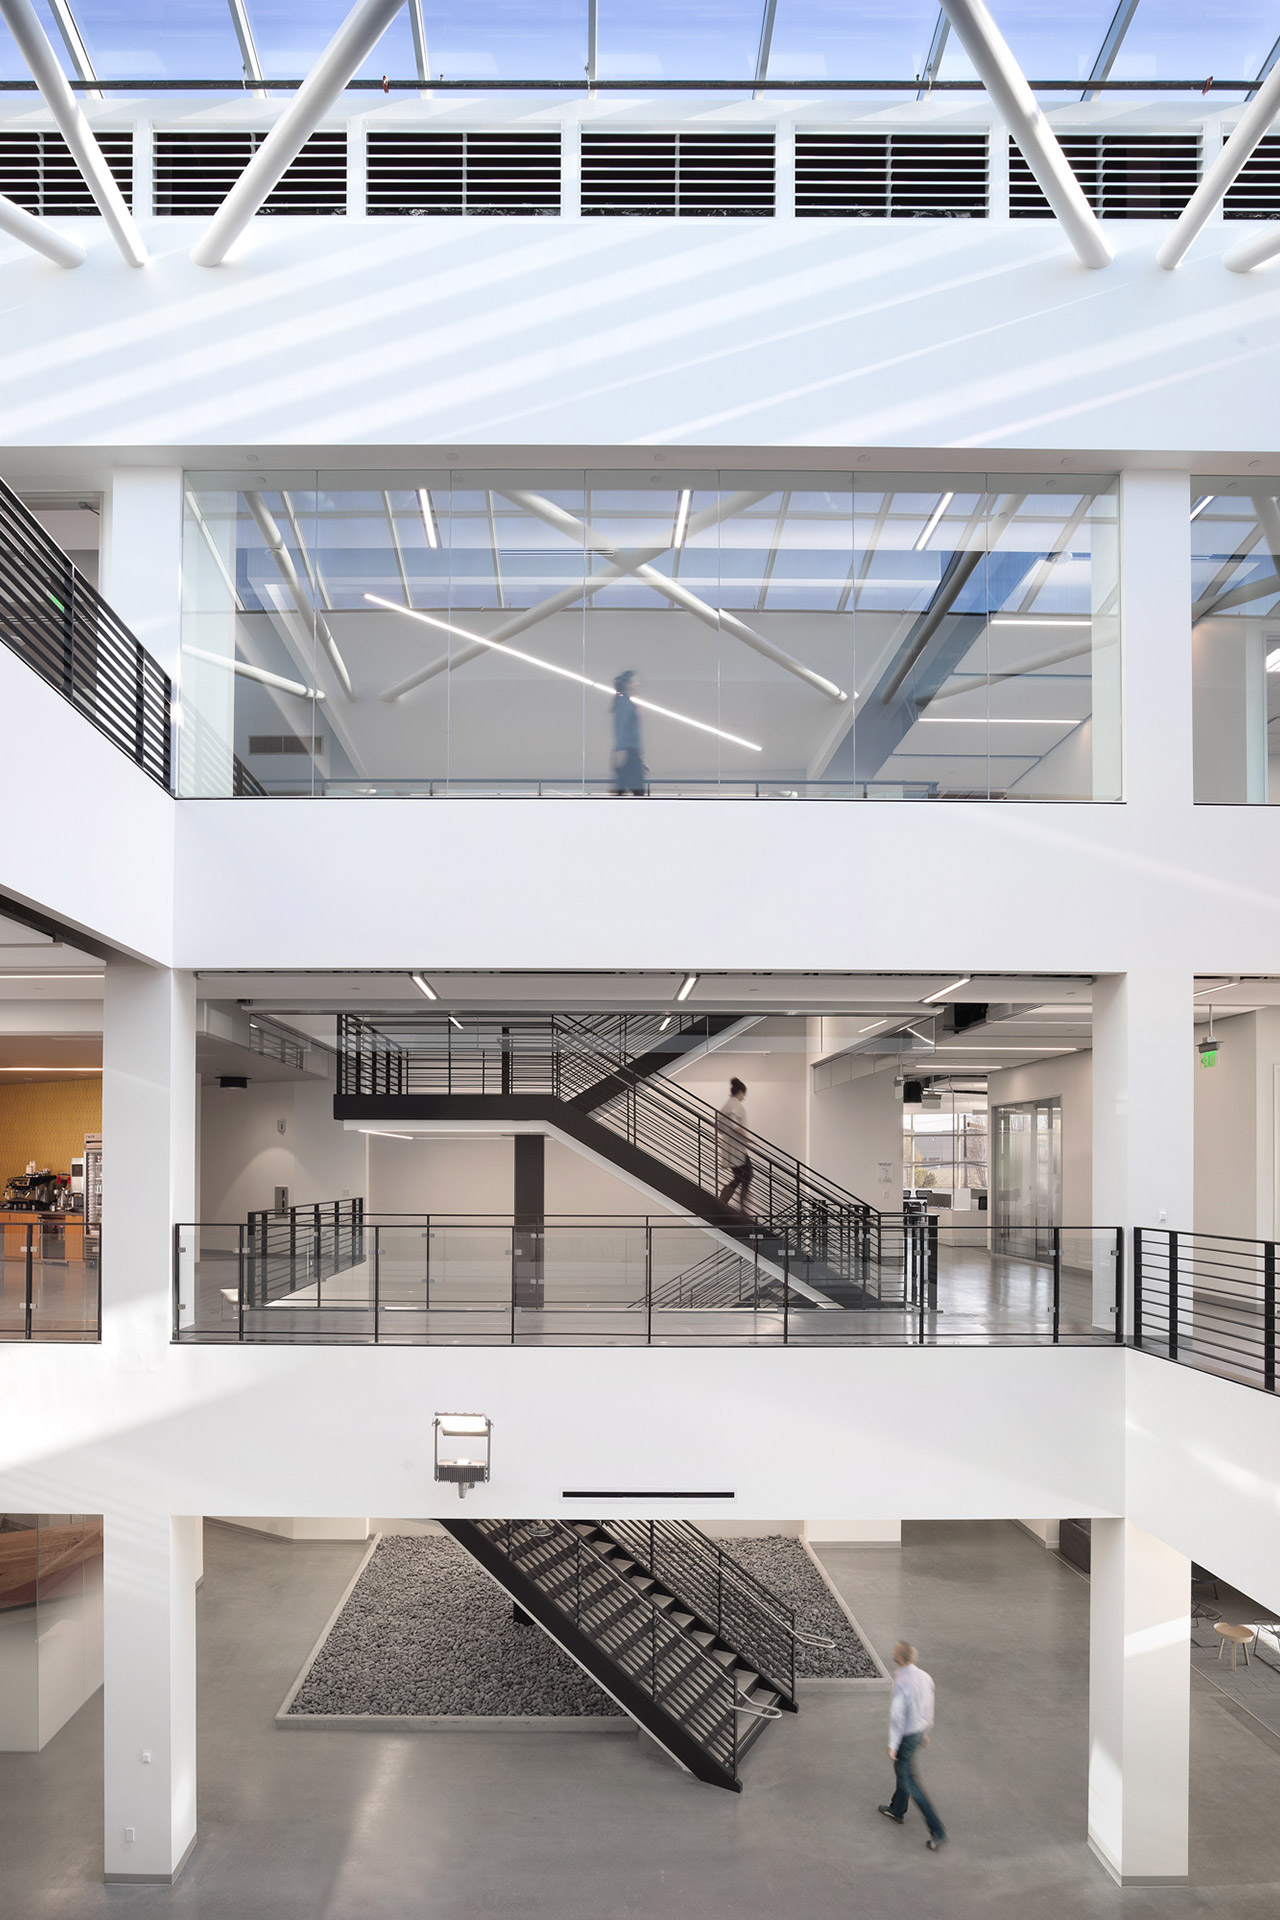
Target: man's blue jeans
<point>908,1788</point>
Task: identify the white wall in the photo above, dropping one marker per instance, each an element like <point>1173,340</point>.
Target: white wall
<point>855,1130</point>
<point>439,1174</point>
<point>244,1157</point>
<point>775,1078</point>
<point>1235,1128</point>
<point>1070,1076</point>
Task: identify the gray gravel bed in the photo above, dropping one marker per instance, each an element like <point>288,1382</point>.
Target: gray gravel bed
<point>426,1631</point>
<point>784,1567</point>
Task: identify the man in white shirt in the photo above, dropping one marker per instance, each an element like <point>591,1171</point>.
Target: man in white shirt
<point>910,1718</point>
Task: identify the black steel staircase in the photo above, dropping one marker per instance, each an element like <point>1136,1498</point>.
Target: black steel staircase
<point>699,1653</point>
<point>599,1081</point>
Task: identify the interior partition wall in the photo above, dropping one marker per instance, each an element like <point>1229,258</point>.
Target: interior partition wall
<point>689,633</point>
<point>1028,1177</point>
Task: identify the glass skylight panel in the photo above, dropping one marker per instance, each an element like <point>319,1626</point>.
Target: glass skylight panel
<point>666,40</point>
<point>1188,39</point>
<point>12,64</point>
<point>507,40</point>
<point>831,40</point>
<point>156,39</point>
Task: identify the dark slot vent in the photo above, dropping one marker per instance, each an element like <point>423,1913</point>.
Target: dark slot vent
<point>37,170</point>
<point>1124,176</point>
<point>693,175</point>
<point>284,743</point>
<point>194,172</point>
<point>891,176</point>
<point>456,173</point>
<point>1255,192</point>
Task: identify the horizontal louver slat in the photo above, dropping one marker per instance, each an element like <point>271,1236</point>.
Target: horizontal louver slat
<point>39,173</point>
<point>1255,192</point>
<point>1124,176</point>
<point>194,172</point>
<point>891,176</point>
<point>686,175</point>
<point>463,173</point>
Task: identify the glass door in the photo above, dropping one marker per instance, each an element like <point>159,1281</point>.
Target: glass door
<point>1028,1177</point>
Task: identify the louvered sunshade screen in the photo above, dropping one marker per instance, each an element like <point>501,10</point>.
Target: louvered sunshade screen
<point>456,173</point>
<point>1124,176</point>
<point>37,170</point>
<point>678,174</point>
<point>194,172</point>
<point>891,176</point>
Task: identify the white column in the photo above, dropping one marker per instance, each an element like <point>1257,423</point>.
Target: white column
<point>149,1696</point>
<point>1155,612</point>
<point>148,1146</point>
<point>784,189</point>
<point>1143,1107</point>
<point>1139,1705</point>
<point>571,169</point>
<point>141,561</point>
<point>853,1533</point>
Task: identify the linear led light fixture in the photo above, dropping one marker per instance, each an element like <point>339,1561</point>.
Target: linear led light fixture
<point>1273,660</point>
<point>687,986</point>
<point>50,976</point>
<point>980,720</point>
<point>1197,995</point>
<point>424,986</point>
<point>428,517</point>
<point>666,1023</point>
<point>1032,1046</point>
<point>1205,500</point>
<point>933,520</point>
<point>1041,620</point>
<point>963,981</point>
<point>682,516</point>
<point>873,1026</point>
<point>50,1069</point>
<point>455,1022</point>
<point>565,673</point>
<point>381,1133</point>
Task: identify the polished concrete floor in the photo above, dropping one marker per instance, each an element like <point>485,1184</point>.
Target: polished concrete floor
<point>349,1826</point>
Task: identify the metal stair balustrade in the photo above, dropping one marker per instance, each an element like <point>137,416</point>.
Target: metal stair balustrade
<point>732,1603</point>
<point>584,1076</point>
<point>285,1252</point>
<point>699,1701</point>
<point>62,627</point>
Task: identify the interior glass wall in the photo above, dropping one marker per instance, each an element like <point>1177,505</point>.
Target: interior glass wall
<point>1235,639</point>
<point>688,633</point>
<point>1028,1176</point>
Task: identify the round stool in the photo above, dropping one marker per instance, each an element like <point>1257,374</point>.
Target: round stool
<point>1233,1637</point>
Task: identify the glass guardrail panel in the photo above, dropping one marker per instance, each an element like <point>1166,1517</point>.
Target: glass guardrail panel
<point>470,1267</point>
<point>211,1277</point>
<point>593,1269</point>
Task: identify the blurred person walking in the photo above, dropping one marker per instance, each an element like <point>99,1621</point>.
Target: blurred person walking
<point>732,1133</point>
<point>629,769</point>
<point>910,1718</point>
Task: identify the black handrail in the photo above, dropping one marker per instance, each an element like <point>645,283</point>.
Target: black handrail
<point>300,1248</point>
<point>1206,1300</point>
<point>62,627</point>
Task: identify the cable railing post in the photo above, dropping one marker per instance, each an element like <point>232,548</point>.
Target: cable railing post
<point>240,1291</point>
<point>1173,1295</point>
<point>1137,1286</point>
<point>1269,1315</point>
<point>920,1260</point>
<point>648,1283</point>
<point>30,1274</point>
<point>1119,1307</point>
<point>377,1283</point>
<point>786,1293</point>
<point>1057,1283</point>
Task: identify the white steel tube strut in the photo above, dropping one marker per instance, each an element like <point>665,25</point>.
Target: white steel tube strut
<point>359,33</point>
<point>15,220</point>
<point>1254,253</point>
<point>20,18</point>
<point>1017,106</point>
<point>1204,202</point>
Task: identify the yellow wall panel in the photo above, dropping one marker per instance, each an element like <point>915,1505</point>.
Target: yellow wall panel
<point>46,1121</point>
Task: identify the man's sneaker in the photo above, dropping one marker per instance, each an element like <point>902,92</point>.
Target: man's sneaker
<point>889,1814</point>
<point>935,1846</point>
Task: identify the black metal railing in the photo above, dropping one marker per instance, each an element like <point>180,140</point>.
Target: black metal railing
<point>590,1062</point>
<point>62,627</point>
<point>50,1279</point>
<point>438,1279</point>
<point>755,1621</point>
<point>284,1253</point>
<point>1208,1301</point>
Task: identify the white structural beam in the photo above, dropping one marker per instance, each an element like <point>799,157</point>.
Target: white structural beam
<point>933,59</point>
<point>33,44</point>
<point>21,225</point>
<point>1018,108</point>
<point>77,52</point>
<point>1206,199</point>
<point>248,48</point>
<point>418,28</point>
<point>1256,252</point>
<point>359,33</point>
